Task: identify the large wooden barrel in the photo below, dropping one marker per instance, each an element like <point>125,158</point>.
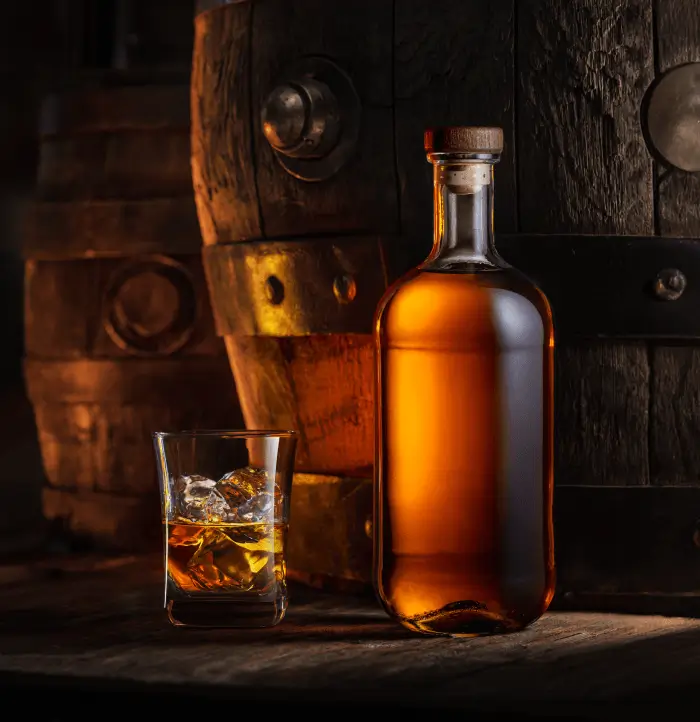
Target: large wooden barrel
<point>313,193</point>
<point>119,337</point>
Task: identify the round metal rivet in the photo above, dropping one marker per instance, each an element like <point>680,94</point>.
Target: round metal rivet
<point>301,119</point>
<point>669,284</point>
<point>275,290</point>
<point>284,117</point>
<point>344,289</point>
<point>311,119</point>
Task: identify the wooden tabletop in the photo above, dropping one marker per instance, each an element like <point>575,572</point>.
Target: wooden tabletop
<point>90,631</point>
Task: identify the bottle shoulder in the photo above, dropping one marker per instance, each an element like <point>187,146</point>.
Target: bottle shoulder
<point>501,301</point>
<point>422,288</point>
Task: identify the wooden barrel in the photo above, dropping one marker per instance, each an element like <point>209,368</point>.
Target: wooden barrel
<point>119,337</point>
<point>313,193</point>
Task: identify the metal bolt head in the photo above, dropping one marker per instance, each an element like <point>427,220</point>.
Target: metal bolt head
<point>344,289</point>
<point>669,284</point>
<point>301,119</point>
<point>284,117</point>
<point>274,288</point>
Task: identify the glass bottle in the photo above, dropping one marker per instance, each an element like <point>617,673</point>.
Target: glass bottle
<point>463,541</point>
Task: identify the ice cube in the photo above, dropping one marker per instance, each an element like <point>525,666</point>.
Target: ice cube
<point>216,509</point>
<point>250,496</point>
<point>192,493</point>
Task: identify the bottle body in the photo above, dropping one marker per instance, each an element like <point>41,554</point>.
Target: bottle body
<point>463,541</point>
<point>463,535</point>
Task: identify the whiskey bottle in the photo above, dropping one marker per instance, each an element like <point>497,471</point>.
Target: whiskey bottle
<point>463,539</point>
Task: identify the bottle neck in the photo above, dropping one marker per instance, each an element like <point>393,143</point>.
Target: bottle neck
<point>463,217</point>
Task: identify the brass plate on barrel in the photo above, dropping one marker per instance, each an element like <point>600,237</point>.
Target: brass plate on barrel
<point>296,288</point>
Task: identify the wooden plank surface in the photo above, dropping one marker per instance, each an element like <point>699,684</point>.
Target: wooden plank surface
<point>601,414</point>
<point>293,382</point>
<point>675,384</point>
<point>362,196</point>
<point>584,67</point>
<point>678,42</point>
<point>133,165</point>
<point>65,308</point>
<point>444,75</point>
<point>675,371</point>
<point>67,625</point>
<point>223,174</point>
<point>677,32</point>
<point>675,416</point>
<point>59,231</point>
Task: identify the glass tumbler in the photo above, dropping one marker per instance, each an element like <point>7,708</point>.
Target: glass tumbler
<point>225,508</point>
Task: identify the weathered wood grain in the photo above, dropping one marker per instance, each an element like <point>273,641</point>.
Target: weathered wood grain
<point>675,416</point>
<point>330,650</point>
<point>678,42</point>
<point>675,382</point>
<point>453,65</point>
<point>133,165</point>
<point>124,105</point>
<point>59,308</point>
<point>584,68</point>
<point>362,195</point>
<point>95,418</point>
<point>677,32</point>
<point>66,308</point>
<point>319,385</point>
<point>94,422</point>
<point>678,193</point>
<point>55,230</point>
<point>138,380</point>
<point>601,414</point>
<point>223,172</point>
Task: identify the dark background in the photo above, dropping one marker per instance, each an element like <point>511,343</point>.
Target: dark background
<point>44,46</point>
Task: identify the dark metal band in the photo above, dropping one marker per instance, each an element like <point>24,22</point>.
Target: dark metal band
<point>611,549</point>
<point>599,286</point>
<point>613,286</point>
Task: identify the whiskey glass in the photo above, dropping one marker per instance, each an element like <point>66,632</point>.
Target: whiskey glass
<point>225,508</point>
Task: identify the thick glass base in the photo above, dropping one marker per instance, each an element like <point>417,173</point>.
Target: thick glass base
<point>467,619</point>
<point>461,624</point>
<point>226,613</point>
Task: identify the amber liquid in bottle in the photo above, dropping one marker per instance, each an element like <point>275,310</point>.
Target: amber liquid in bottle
<point>463,526</point>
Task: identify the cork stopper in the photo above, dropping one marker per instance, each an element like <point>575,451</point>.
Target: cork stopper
<point>463,139</point>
